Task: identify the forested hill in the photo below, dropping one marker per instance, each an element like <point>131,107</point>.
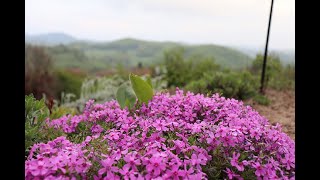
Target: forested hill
<point>130,52</point>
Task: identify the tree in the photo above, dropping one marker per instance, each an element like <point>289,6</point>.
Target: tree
<point>38,75</point>
<point>177,69</point>
<point>274,66</point>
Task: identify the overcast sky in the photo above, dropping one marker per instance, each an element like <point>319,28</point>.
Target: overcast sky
<point>224,22</point>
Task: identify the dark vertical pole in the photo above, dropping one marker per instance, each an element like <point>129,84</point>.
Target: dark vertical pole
<point>266,52</point>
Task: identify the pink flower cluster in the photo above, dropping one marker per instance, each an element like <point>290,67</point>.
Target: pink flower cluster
<point>173,137</point>
<point>56,159</point>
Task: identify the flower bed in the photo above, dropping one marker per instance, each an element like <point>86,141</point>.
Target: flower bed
<point>173,137</point>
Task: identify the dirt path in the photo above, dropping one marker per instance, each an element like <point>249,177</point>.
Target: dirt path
<point>281,109</point>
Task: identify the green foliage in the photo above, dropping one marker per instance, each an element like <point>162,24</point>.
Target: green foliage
<point>141,88</point>
<point>36,131</point>
<point>285,80</point>
<point>149,81</point>
<point>273,67</point>
<point>200,74</point>
<point>276,76</point>
<point>177,69</point>
<point>60,111</point>
<point>125,96</point>
<point>101,89</point>
<point>200,65</point>
<point>69,82</point>
<point>131,52</point>
<point>181,71</point>
<point>239,85</point>
<point>35,110</point>
<point>261,99</point>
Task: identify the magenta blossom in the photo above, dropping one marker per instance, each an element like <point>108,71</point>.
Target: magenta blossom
<point>156,165</point>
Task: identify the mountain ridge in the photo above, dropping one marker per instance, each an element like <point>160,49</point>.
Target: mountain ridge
<point>71,52</point>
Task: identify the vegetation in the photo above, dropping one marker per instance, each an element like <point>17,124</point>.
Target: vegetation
<point>39,77</point>
<point>123,126</point>
<point>132,52</point>
<point>36,114</point>
<point>277,76</point>
<point>172,136</point>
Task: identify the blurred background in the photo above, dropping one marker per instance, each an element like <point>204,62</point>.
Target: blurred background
<point>78,50</point>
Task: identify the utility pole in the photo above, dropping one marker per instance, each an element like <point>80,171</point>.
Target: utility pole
<point>266,52</point>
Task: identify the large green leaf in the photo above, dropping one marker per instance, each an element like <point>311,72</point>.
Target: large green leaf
<point>149,81</point>
<point>125,96</point>
<point>141,88</point>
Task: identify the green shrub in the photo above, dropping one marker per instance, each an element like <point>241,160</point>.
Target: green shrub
<point>36,130</point>
<point>181,71</point>
<point>239,85</point>
<point>69,82</point>
<point>276,76</point>
<point>35,114</point>
<point>177,69</point>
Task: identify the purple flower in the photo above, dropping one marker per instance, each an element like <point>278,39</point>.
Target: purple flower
<point>221,132</point>
<point>126,174</point>
<point>234,162</point>
<point>131,161</point>
<point>175,173</point>
<point>153,141</point>
<point>287,161</point>
<point>232,175</point>
<point>38,168</point>
<point>156,165</point>
<point>198,160</point>
<point>107,167</point>
<point>259,169</point>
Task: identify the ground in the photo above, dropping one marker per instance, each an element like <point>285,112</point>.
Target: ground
<point>281,109</point>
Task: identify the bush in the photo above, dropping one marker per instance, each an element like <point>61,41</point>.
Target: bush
<point>239,85</point>
<point>276,76</point>
<point>36,112</point>
<point>180,71</point>
<point>177,69</point>
<point>69,82</point>
<point>179,136</point>
<point>39,78</point>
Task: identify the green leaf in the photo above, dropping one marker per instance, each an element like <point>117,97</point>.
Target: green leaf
<point>149,81</point>
<point>141,88</point>
<point>125,96</point>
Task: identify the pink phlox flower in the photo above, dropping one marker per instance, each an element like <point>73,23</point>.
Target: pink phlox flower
<point>260,171</point>
<point>175,173</point>
<point>134,177</point>
<point>288,162</point>
<point>189,115</point>
<point>195,176</point>
<point>235,163</point>
<point>107,167</point>
<point>211,138</point>
<point>38,168</point>
<point>156,165</point>
<point>232,175</point>
<point>221,132</point>
<point>126,173</point>
<point>131,161</point>
<point>254,133</point>
<point>96,129</point>
<point>199,159</point>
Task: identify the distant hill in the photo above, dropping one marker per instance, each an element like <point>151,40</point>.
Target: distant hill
<point>50,39</point>
<point>70,52</point>
<point>286,56</point>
